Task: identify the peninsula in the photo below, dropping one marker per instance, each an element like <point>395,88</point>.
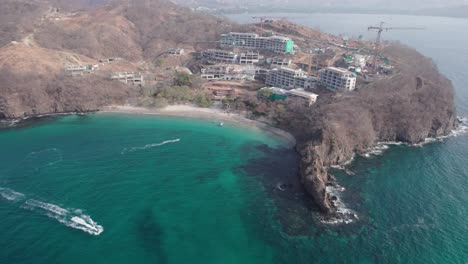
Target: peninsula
<point>337,96</point>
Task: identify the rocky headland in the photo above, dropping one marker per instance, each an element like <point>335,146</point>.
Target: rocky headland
<point>415,103</point>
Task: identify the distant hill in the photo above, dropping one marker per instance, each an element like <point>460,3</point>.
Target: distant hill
<point>38,38</point>
<point>459,11</point>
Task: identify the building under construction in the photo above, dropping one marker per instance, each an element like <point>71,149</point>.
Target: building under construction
<point>133,78</point>
<point>230,57</point>
<point>288,78</point>
<point>230,72</point>
<point>277,44</point>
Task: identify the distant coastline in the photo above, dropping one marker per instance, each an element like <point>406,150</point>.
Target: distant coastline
<point>204,113</point>
<point>455,12</point>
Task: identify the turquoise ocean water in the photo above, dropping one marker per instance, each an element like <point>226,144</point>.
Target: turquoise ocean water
<point>112,188</point>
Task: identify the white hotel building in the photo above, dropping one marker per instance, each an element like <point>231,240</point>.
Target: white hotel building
<point>288,78</point>
<point>338,79</point>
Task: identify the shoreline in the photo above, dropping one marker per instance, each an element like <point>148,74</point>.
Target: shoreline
<point>187,111</point>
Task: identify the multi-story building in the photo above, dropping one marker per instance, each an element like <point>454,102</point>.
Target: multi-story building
<point>288,78</point>
<point>281,62</point>
<point>220,56</point>
<point>223,56</point>
<point>299,93</point>
<point>230,72</point>
<point>338,79</point>
<point>278,44</point>
<point>249,58</point>
<point>214,72</point>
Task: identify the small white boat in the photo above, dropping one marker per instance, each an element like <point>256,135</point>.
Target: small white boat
<point>221,124</point>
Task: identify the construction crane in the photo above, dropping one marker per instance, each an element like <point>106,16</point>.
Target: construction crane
<point>381,29</point>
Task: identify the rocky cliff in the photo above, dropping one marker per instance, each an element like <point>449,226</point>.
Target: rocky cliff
<point>415,104</point>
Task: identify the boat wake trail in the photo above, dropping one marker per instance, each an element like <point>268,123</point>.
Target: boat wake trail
<point>11,195</point>
<point>73,218</point>
<point>126,150</point>
<point>47,157</point>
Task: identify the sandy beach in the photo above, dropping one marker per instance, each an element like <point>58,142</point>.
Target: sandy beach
<point>203,113</point>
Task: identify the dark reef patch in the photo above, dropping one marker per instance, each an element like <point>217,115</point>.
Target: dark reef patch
<point>151,235</point>
<point>278,170</point>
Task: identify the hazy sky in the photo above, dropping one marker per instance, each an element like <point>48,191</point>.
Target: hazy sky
<point>384,4</point>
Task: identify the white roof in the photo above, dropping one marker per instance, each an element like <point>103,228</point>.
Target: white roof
<point>339,70</point>
<point>300,92</point>
<point>275,89</point>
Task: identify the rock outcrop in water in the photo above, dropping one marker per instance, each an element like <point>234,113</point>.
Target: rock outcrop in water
<point>414,104</point>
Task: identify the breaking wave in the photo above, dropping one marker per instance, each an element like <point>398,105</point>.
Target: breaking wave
<point>73,218</point>
<point>377,150</point>
<point>343,214</point>
<point>126,150</point>
<point>462,129</point>
<point>380,148</point>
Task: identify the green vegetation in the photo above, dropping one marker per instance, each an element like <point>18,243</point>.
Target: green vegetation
<point>181,94</point>
<point>203,101</point>
<point>182,79</point>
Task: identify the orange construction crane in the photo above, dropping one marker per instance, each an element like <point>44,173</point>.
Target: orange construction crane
<point>379,30</point>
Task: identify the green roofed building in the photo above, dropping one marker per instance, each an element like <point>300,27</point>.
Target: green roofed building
<point>289,46</point>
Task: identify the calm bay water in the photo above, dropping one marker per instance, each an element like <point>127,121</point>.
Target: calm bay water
<point>142,189</point>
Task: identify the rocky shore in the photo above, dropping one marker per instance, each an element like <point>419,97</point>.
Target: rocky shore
<point>413,105</point>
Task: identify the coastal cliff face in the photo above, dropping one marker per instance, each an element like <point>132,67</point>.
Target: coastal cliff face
<point>415,104</point>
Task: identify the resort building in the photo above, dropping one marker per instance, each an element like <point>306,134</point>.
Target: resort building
<point>230,72</point>
<point>307,97</point>
<point>215,72</point>
<point>279,62</point>
<point>134,78</point>
<point>288,78</point>
<point>223,56</point>
<point>338,79</point>
<point>219,56</point>
<point>276,44</point>
<point>249,58</point>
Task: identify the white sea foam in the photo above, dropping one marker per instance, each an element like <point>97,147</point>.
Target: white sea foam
<point>73,218</point>
<point>11,195</point>
<point>125,150</point>
<point>377,150</point>
<point>344,215</point>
